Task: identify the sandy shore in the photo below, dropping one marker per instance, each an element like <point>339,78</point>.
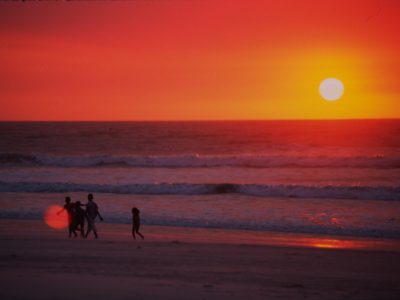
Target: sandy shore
<point>177,263</point>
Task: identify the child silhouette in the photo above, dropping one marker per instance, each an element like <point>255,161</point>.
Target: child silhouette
<point>136,223</point>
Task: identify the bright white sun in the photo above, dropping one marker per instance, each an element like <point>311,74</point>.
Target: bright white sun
<point>331,89</point>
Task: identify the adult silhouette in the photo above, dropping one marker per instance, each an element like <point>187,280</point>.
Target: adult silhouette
<point>69,207</point>
<point>92,211</point>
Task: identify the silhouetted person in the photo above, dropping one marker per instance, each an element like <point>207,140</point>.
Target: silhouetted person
<point>80,215</point>
<point>92,211</point>
<point>70,208</point>
<point>136,222</point>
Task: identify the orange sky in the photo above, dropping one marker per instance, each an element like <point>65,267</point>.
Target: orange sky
<point>198,60</point>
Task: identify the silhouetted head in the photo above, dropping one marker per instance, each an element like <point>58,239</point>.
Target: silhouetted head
<point>67,199</point>
<point>135,210</point>
<point>90,197</point>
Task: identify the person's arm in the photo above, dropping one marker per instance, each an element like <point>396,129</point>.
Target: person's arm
<point>61,210</point>
<point>101,218</point>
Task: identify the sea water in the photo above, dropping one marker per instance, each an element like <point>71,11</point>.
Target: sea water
<point>325,177</point>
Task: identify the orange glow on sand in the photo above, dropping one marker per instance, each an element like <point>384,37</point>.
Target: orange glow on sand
<point>53,220</point>
<point>333,244</point>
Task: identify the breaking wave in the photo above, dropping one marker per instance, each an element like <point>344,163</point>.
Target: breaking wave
<point>199,161</point>
<point>260,190</point>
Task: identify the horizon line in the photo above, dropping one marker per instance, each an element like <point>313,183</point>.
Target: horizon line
<point>196,120</point>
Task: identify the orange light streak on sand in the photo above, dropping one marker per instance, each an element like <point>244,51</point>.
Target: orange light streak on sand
<point>333,244</point>
<point>275,239</point>
<point>54,220</point>
<point>348,244</point>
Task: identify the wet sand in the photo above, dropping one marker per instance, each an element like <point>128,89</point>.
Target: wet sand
<point>182,263</point>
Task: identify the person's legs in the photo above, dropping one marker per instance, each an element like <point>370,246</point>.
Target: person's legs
<point>94,229</point>
<point>81,228</point>
<point>72,230</point>
<point>69,226</point>
<point>133,232</point>
<point>90,226</point>
<point>136,229</point>
<point>141,235</point>
<point>73,226</point>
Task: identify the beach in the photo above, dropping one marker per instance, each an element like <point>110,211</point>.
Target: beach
<point>38,262</point>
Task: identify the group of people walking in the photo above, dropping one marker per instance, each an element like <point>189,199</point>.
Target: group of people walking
<point>77,217</point>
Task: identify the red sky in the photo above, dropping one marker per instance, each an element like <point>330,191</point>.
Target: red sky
<point>198,60</point>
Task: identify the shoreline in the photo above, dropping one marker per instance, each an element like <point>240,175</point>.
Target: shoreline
<point>217,236</point>
<point>185,263</point>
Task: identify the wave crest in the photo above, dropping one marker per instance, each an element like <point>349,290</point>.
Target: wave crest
<point>291,191</point>
<point>198,161</point>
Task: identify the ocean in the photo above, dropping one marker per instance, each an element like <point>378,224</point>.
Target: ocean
<point>324,177</point>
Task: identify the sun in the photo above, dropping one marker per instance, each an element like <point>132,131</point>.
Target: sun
<point>331,89</point>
